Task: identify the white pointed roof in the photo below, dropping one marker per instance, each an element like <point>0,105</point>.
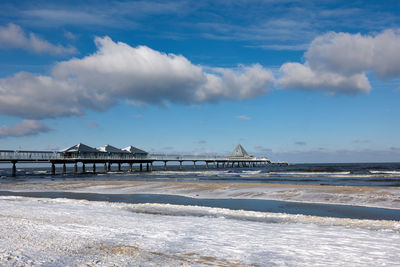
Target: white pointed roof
<point>239,151</point>
<point>134,150</point>
<point>111,149</point>
<point>80,148</point>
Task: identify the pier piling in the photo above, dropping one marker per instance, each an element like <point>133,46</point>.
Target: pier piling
<point>14,169</point>
<point>53,169</point>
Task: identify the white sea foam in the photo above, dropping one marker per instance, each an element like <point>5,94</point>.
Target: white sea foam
<point>60,232</point>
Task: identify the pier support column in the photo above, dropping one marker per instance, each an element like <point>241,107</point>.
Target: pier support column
<point>141,167</point>
<point>94,167</point>
<point>53,169</point>
<point>194,164</point>
<point>105,168</point>
<point>147,167</point>
<point>180,165</point>
<point>214,164</point>
<point>64,169</point>
<point>76,168</point>
<point>14,169</point>
<point>165,165</point>
<point>119,167</point>
<point>217,165</point>
<point>151,166</point>
<point>233,164</point>
<point>83,168</point>
<point>130,167</point>
<point>109,166</point>
<point>206,164</point>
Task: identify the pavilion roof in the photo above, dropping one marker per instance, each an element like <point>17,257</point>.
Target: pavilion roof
<point>134,150</point>
<point>81,148</point>
<point>239,151</point>
<point>112,149</point>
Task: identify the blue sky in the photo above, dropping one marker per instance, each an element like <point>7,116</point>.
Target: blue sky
<point>301,81</point>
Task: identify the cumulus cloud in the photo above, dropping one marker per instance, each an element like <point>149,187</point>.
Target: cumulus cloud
<point>13,36</point>
<point>337,62</point>
<point>301,76</point>
<point>24,128</point>
<point>27,95</point>
<point>118,71</point>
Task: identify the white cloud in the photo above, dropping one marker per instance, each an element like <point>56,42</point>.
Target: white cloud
<point>243,118</point>
<point>24,128</point>
<point>135,103</point>
<point>137,74</point>
<point>337,62</point>
<point>13,36</point>
<point>355,53</point>
<point>70,35</point>
<point>301,76</point>
<point>27,95</point>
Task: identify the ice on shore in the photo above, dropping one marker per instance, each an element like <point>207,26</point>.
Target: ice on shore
<point>64,232</point>
<point>379,197</point>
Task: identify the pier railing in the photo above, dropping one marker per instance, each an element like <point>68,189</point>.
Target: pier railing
<point>21,155</point>
<point>28,155</point>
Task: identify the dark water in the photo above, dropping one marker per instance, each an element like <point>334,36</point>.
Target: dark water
<point>324,210</point>
<point>349,174</point>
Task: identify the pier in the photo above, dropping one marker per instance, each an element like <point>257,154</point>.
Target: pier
<point>89,158</point>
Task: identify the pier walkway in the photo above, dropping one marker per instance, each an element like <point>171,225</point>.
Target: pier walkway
<point>107,160</point>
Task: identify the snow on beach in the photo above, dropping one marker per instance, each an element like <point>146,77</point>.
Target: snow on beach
<point>379,197</point>
<point>64,232</point>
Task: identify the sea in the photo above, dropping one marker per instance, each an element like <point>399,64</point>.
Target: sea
<point>297,215</point>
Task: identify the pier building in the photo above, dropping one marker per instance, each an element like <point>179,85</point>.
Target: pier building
<point>108,155</point>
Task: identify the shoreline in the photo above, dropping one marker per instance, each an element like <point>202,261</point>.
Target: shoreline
<point>271,206</point>
<point>373,197</point>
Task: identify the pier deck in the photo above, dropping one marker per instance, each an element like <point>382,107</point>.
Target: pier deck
<point>57,158</point>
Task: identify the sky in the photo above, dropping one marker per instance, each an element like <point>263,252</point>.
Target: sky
<point>298,81</point>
